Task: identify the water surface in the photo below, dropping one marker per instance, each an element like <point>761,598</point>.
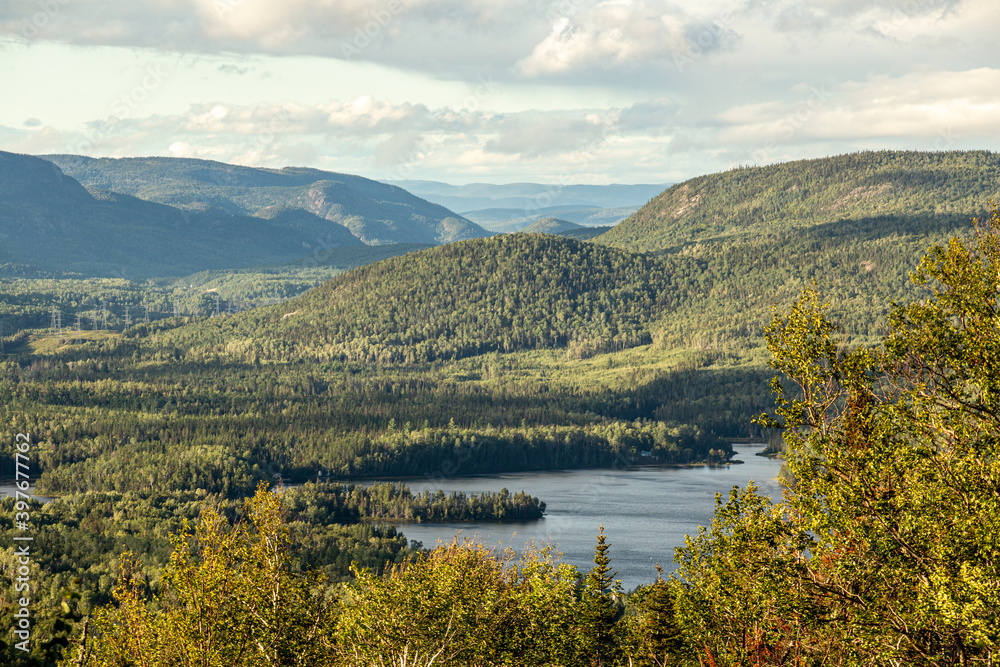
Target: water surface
<point>646,512</point>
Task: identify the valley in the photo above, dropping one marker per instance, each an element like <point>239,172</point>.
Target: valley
<point>177,333</point>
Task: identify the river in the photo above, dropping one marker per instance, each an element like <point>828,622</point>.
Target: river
<point>646,512</point>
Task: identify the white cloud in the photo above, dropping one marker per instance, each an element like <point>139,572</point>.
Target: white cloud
<point>446,38</point>
<point>616,34</point>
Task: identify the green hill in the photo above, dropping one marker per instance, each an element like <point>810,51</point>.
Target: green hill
<point>564,228</point>
<point>550,226</point>
<point>374,212</point>
<point>502,294</point>
<point>509,220</point>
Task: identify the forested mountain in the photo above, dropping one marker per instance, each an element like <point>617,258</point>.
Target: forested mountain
<point>852,223</point>
<point>501,294</point>
<point>374,212</point>
<point>51,223</point>
<point>517,352</point>
<point>585,233</point>
<point>564,228</point>
<point>888,191</point>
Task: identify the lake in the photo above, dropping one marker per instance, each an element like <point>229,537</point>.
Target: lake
<point>646,512</point>
<point>11,490</point>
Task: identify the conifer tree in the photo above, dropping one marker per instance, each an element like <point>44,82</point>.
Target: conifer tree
<point>601,596</point>
<point>664,635</point>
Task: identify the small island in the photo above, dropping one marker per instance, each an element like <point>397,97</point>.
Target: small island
<point>395,502</point>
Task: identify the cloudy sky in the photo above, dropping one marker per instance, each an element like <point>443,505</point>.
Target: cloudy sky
<point>617,91</point>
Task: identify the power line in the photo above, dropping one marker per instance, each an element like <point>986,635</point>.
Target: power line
<point>55,325</point>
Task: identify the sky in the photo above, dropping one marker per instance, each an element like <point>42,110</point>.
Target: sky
<point>499,91</point>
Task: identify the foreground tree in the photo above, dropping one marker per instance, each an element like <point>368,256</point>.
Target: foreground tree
<point>601,594</point>
<point>885,550</point>
<point>229,597</point>
<point>463,604</point>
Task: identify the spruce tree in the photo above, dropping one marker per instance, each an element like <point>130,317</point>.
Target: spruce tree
<point>663,634</point>
<point>601,595</point>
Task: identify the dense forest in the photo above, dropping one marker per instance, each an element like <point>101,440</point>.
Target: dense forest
<point>886,191</point>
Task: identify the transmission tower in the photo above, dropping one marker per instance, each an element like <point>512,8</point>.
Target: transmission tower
<point>128,318</point>
<point>216,305</point>
<point>146,304</point>
<point>79,338</point>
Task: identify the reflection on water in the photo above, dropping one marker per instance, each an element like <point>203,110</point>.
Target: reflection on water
<point>646,512</point>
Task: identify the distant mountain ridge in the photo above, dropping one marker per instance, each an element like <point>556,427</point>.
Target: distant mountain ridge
<point>531,197</point>
<point>508,220</point>
<point>145,217</point>
<point>551,226</point>
<point>376,213</point>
